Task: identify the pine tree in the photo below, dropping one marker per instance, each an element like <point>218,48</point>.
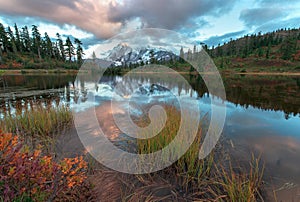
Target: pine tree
<point>94,57</point>
<point>18,38</point>
<point>12,41</point>
<point>181,59</point>
<point>288,48</point>
<point>152,58</point>
<point>195,49</point>
<point>26,39</point>
<point>2,31</point>
<point>189,55</point>
<point>48,46</point>
<point>69,49</point>
<point>219,51</point>
<point>60,45</point>
<point>3,38</point>
<point>260,52</point>
<point>79,50</point>
<point>268,51</point>
<point>222,63</point>
<point>36,38</point>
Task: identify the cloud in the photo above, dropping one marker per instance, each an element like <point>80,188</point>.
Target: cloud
<point>88,15</point>
<point>108,17</point>
<point>214,40</point>
<point>90,41</point>
<point>167,14</point>
<point>290,23</point>
<point>274,2</point>
<point>259,16</point>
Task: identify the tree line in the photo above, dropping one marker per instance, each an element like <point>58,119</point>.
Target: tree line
<point>15,43</point>
<point>260,45</point>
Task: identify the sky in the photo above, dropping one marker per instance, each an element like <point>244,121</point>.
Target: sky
<point>208,21</point>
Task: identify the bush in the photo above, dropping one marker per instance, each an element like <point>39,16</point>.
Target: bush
<point>19,60</point>
<point>30,176</point>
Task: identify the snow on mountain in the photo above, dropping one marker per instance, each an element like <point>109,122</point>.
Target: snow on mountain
<point>123,54</point>
<point>119,51</point>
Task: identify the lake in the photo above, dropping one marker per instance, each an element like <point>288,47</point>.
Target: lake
<point>263,112</point>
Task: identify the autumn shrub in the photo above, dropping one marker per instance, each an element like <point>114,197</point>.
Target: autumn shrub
<point>30,176</point>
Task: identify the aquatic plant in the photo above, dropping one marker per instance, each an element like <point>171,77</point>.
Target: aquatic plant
<point>190,178</point>
<point>38,122</point>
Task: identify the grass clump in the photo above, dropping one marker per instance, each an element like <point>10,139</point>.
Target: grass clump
<point>238,184</point>
<point>191,178</point>
<point>39,122</point>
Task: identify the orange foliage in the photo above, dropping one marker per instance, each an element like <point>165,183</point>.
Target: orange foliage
<point>30,174</point>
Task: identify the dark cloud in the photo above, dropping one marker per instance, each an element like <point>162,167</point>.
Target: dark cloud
<point>91,41</point>
<point>168,14</point>
<point>259,16</point>
<point>107,18</point>
<point>215,40</point>
<point>192,26</point>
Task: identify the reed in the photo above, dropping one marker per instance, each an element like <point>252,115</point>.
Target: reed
<point>190,178</point>
<point>38,122</point>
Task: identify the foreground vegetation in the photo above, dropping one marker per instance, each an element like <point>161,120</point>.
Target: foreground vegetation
<point>27,175</point>
<point>30,170</point>
<point>30,173</point>
<point>191,179</point>
<point>38,124</point>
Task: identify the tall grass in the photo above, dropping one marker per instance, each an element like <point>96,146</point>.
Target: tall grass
<point>190,178</point>
<point>38,122</point>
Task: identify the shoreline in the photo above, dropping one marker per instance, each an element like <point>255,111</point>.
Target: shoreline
<point>72,71</point>
<point>37,71</point>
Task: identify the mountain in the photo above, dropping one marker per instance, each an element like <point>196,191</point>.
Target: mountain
<point>123,55</point>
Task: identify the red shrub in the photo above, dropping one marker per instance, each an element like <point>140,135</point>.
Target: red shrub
<point>30,175</point>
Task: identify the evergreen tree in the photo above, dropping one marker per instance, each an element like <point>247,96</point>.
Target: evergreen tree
<point>26,39</point>
<point>260,52</point>
<point>36,38</point>
<point>222,63</point>
<point>12,41</point>
<point>219,51</point>
<point>181,59</point>
<point>3,38</point>
<point>69,49</point>
<point>288,48</point>
<point>189,55</point>
<point>60,45</point>
<point>195,49</point>
<point>268,51</point>
<point>94,57</point>
<point>48,46</point>
<point>152,58</point>
<point>18,38</point>
<point>79,50</point>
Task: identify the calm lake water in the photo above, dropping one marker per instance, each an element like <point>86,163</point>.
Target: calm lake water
<point>263,112</point>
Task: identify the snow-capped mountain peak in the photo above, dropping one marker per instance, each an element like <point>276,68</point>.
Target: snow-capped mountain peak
<point>123,54</point>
